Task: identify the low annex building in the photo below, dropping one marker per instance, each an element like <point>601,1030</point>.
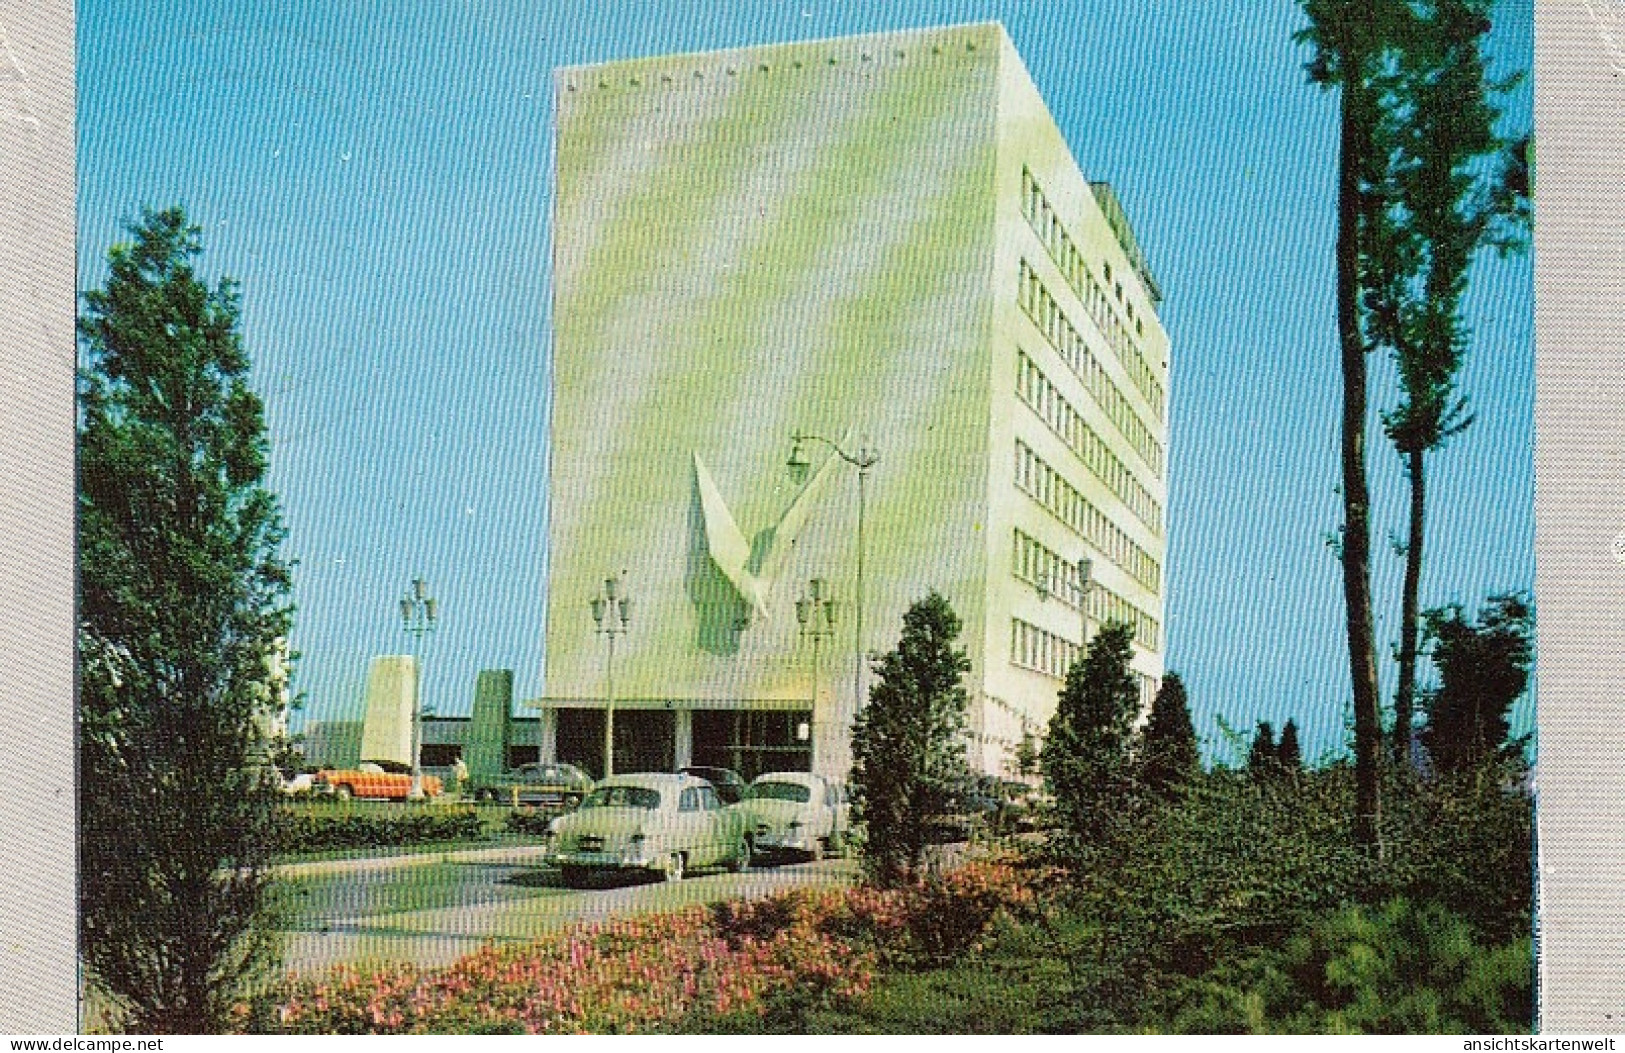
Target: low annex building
<point>882,244</point>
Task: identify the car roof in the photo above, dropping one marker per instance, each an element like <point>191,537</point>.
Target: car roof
<point>652,781</point>
<point>696,769</point>
<point>806,778</point>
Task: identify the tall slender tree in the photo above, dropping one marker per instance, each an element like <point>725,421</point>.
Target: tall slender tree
<point>184,605</point>
<point>1353,46</point>
<point>1453,184</point>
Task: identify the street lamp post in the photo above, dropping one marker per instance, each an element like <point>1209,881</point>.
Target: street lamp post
<point>816,613</point>
<point>1085,570</point>
<point>863,459</point>
<point>612,613</point>
<point>418,616</point>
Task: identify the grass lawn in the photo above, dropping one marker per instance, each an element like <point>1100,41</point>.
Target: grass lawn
<point>996,995</point>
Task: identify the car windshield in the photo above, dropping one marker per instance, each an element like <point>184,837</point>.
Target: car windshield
<point>622,797</point>
<point>780,791</point>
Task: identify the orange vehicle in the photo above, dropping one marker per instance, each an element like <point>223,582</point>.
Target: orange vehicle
<point>360,782</point>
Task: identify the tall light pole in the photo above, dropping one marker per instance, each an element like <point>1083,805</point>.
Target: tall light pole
<point>1085,569</point>
<point>418,616</point>
<point>815,612</point>
<point>612,613</point>
<point>864,459</point>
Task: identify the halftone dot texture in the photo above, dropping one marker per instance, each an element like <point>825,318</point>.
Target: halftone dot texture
<point>383,189</point>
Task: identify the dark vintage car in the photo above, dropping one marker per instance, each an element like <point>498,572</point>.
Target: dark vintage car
<point>976,806</point>
<point>730,787</point>
<point>553,786</point>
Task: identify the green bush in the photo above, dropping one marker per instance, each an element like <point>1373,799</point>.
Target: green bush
<point>1181,891</point>
<point>1397,969</point>
<point>528,821</point>
<point>1236,864</point>
<point>1466,842</point>
<point>311,831</point>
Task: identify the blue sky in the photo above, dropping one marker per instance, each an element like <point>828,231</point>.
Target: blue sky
<point>378,178</point>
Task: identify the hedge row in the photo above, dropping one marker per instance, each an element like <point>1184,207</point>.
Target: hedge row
<point>529,821</point>
<point>303,832</point>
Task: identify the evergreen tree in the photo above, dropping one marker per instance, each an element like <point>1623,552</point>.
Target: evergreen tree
<point>1086,756</point>
<point>1264,759</point>
<point>184,606</point>
<point>908,745</point>
<point>1026,755</point>
<point>1290,754</point>
<point>1169,757</point>
<point>1483,669</point>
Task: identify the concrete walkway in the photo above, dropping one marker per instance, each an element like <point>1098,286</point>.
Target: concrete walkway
<point>366,911</point>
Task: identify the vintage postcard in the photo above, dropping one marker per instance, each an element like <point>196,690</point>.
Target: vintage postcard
<point>805,518</point>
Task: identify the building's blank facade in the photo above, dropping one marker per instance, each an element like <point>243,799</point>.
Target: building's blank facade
<point>881,238</point>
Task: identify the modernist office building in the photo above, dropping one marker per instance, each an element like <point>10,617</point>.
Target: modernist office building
<point>884,242</point>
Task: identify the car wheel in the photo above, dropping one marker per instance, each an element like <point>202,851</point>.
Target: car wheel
<point>343,791</point>
<point>487,795</point>
<point>574,877</point>
<point>673,870</point>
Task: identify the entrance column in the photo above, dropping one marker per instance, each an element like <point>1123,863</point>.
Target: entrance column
<point>548,735</point>
<point>683,745</point>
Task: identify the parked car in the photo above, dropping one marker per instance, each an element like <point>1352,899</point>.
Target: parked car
<point>976,806</point>
<point>300,784</point>
<point>370,780</point>
<point>792,811</point>
<point>554,786</point>
<point>730,787</point>
<point>664,823</point>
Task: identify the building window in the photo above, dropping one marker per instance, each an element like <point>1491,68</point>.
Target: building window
<point>1052,321</point>
<point>1046,486</point>
<point>1046,400</point>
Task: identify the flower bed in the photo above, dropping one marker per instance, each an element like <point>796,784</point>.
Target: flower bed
<point>678,971</point>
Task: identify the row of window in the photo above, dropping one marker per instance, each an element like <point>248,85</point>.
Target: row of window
<point>1047,225</point>
<point>1148,690</point>
<point>1106,606</point>
<point>1051,320</point>
<point>1034,562</point>
<point>1047,401</point>
<point>1046,486</point>
<point>1043,652</point>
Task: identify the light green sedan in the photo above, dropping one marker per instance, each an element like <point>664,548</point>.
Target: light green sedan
<point>665,823</point>
<point>795,812</point>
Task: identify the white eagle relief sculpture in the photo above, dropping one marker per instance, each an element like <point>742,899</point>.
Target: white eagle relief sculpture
<point>754,578</point>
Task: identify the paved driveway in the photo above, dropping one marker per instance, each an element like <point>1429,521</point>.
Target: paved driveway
<point>433,910</point>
